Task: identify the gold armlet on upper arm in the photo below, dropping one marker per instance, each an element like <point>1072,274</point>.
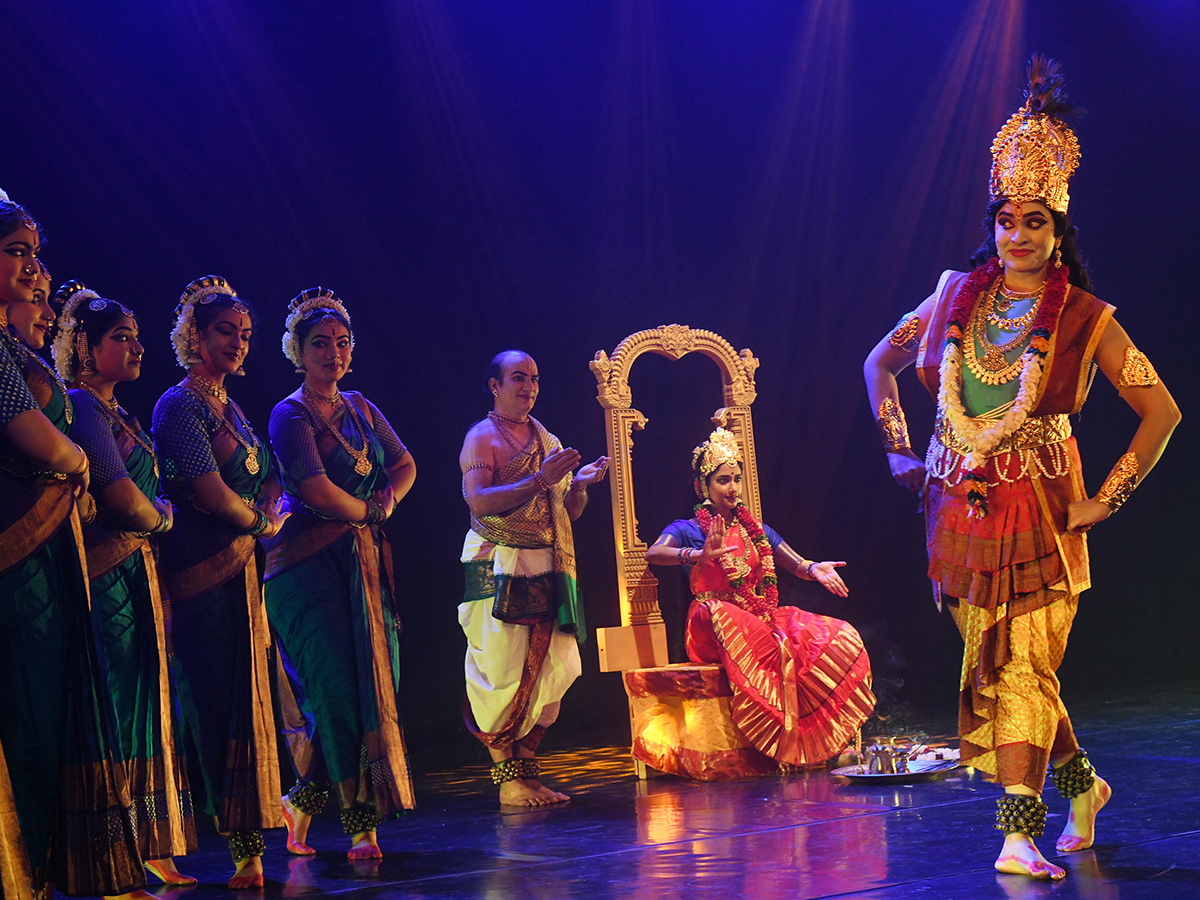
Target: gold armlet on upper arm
<point>1136,371</point>
<point>904,335</point>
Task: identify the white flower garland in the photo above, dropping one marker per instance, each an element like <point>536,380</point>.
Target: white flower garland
<point>63,347</point>
<point>298,310</point>
<point>980,439</point>
<point>203,290</point>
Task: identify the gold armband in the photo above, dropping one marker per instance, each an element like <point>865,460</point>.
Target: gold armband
<point>892,427</point>
<point>904,335</point>
<point>1120,482</point>
<point>1136,370</point>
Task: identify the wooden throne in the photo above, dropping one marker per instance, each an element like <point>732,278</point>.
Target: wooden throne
<point>679,714</point>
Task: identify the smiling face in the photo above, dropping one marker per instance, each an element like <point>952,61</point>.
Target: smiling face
<point>32,319</point>
<point>517,388</point>
<point>225,343</point>
<point>118,355</point>
<point>19,268</point>
<point>1025,240</point>
<point>325,353</point>
<point>725,488</point>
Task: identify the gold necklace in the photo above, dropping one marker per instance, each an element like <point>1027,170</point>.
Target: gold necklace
<point>334,399</point>
<point>114,411</point>
<point>211,389</point>
<point>29,355</point>
<point>208,386</point>
<point>362,465</point>
<point>1005,297</point>
<point>512,420</point>
<point>992,368</point>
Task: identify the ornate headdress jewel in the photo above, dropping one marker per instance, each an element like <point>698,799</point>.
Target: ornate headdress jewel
<point>721,447</point>
<point>302,304</point>
<point>67,351</point>
<point>26,219</point>
<point>204,290</point>
<point>1035,153</point>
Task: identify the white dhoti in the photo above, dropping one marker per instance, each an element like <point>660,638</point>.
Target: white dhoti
<point>499,665</point>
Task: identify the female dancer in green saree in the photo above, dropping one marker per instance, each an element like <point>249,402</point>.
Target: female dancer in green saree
<point>96,348</point>
<point>220,477</point>
<point>329,589</point>
<point>70,797</point>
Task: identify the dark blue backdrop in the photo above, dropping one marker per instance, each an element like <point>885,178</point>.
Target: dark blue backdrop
<point>556,175</point>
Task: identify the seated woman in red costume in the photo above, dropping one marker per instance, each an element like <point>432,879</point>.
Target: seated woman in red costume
<point>801,681</point>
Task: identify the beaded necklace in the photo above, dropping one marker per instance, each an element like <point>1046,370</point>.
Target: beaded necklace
<point>993,368</point>
<point>362,464</point>
<point>334,399</point>
<point>498,419</point>
<point>112,409</point>
<point>27,354</point>
<point>203,388</point>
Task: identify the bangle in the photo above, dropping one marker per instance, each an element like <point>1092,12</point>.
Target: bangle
<point>162,524</point>
<point>374,512</point>
<point>685,556</point>
<point>1120,482</point>
<point>892,427</point>
<point>541,483</point>
<point>83,464</point>
<point>808,570</point>
<point>261,523</point>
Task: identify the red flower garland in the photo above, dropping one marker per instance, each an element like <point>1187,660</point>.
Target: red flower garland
<point>1046,321</point>
<point>762,604</point>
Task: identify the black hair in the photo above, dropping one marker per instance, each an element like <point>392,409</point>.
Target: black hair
<point>13,216</point>
<point>1063,228</point>
<point>314,317</point>
<point>97,323</point>
<point>496,368</point>
<point>204,314</point>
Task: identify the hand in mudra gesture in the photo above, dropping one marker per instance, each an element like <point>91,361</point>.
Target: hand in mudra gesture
<point>714,544</point>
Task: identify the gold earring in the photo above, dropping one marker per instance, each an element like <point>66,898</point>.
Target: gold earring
<point>1057,258</point>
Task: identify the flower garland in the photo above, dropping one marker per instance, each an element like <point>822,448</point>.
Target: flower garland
<point>71,294</point>
<point>762,604</point>
<point>202,290</point>
<point>981,439</point>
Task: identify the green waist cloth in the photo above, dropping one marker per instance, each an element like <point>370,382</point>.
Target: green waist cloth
<point>481,585</point>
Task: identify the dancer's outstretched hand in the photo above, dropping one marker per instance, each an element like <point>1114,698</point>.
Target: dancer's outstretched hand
<point>826,573</point>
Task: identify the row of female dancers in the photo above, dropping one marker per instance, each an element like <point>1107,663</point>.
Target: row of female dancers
<point>134,572</point>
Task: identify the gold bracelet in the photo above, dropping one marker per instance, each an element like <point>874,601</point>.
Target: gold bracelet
<point>1120,482</point>
<point>892,427</point>
<point>83,465</point>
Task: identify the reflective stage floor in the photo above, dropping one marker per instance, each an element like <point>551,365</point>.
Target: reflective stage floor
<point>796,836</point>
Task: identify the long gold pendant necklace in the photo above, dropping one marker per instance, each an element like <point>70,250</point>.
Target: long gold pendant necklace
<point>994,368</point>
<point>362,463</point>
<point>112,409</point>
<point>202,386</point>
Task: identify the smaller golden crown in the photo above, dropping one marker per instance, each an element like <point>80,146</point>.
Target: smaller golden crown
<point>721,447</point>
<point>1035,153</point>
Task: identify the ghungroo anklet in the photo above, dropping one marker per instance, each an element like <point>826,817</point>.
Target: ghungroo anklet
<point>1018,813</point>
<point>529,768</point>
<point>245,844</point>
<point>308,798</point>
<point>508,770</point>
<point>358,819</point>
<point>1074,777</point>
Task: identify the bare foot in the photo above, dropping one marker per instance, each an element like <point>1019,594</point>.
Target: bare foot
<point>249,875</point>
<point>164,870</point>
<point>365,846</point>
<point>527,792</point>
<point>1081,823</point>
<point>1021,857</point>
<point>297,828</point>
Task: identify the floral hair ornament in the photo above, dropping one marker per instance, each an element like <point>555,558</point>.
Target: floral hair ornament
<point>720,448</point>
<point>301,306</point>
<point>1035,153</point>
<point>184,336</point>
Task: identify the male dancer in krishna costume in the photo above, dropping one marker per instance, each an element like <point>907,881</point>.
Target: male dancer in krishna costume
<point>520,612</point>
<point>1006,350</point>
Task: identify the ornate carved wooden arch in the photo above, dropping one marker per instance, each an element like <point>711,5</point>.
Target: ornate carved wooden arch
<point>638,588</point>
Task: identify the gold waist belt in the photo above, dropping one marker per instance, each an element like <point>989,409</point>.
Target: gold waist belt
<point>1036,432</point>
